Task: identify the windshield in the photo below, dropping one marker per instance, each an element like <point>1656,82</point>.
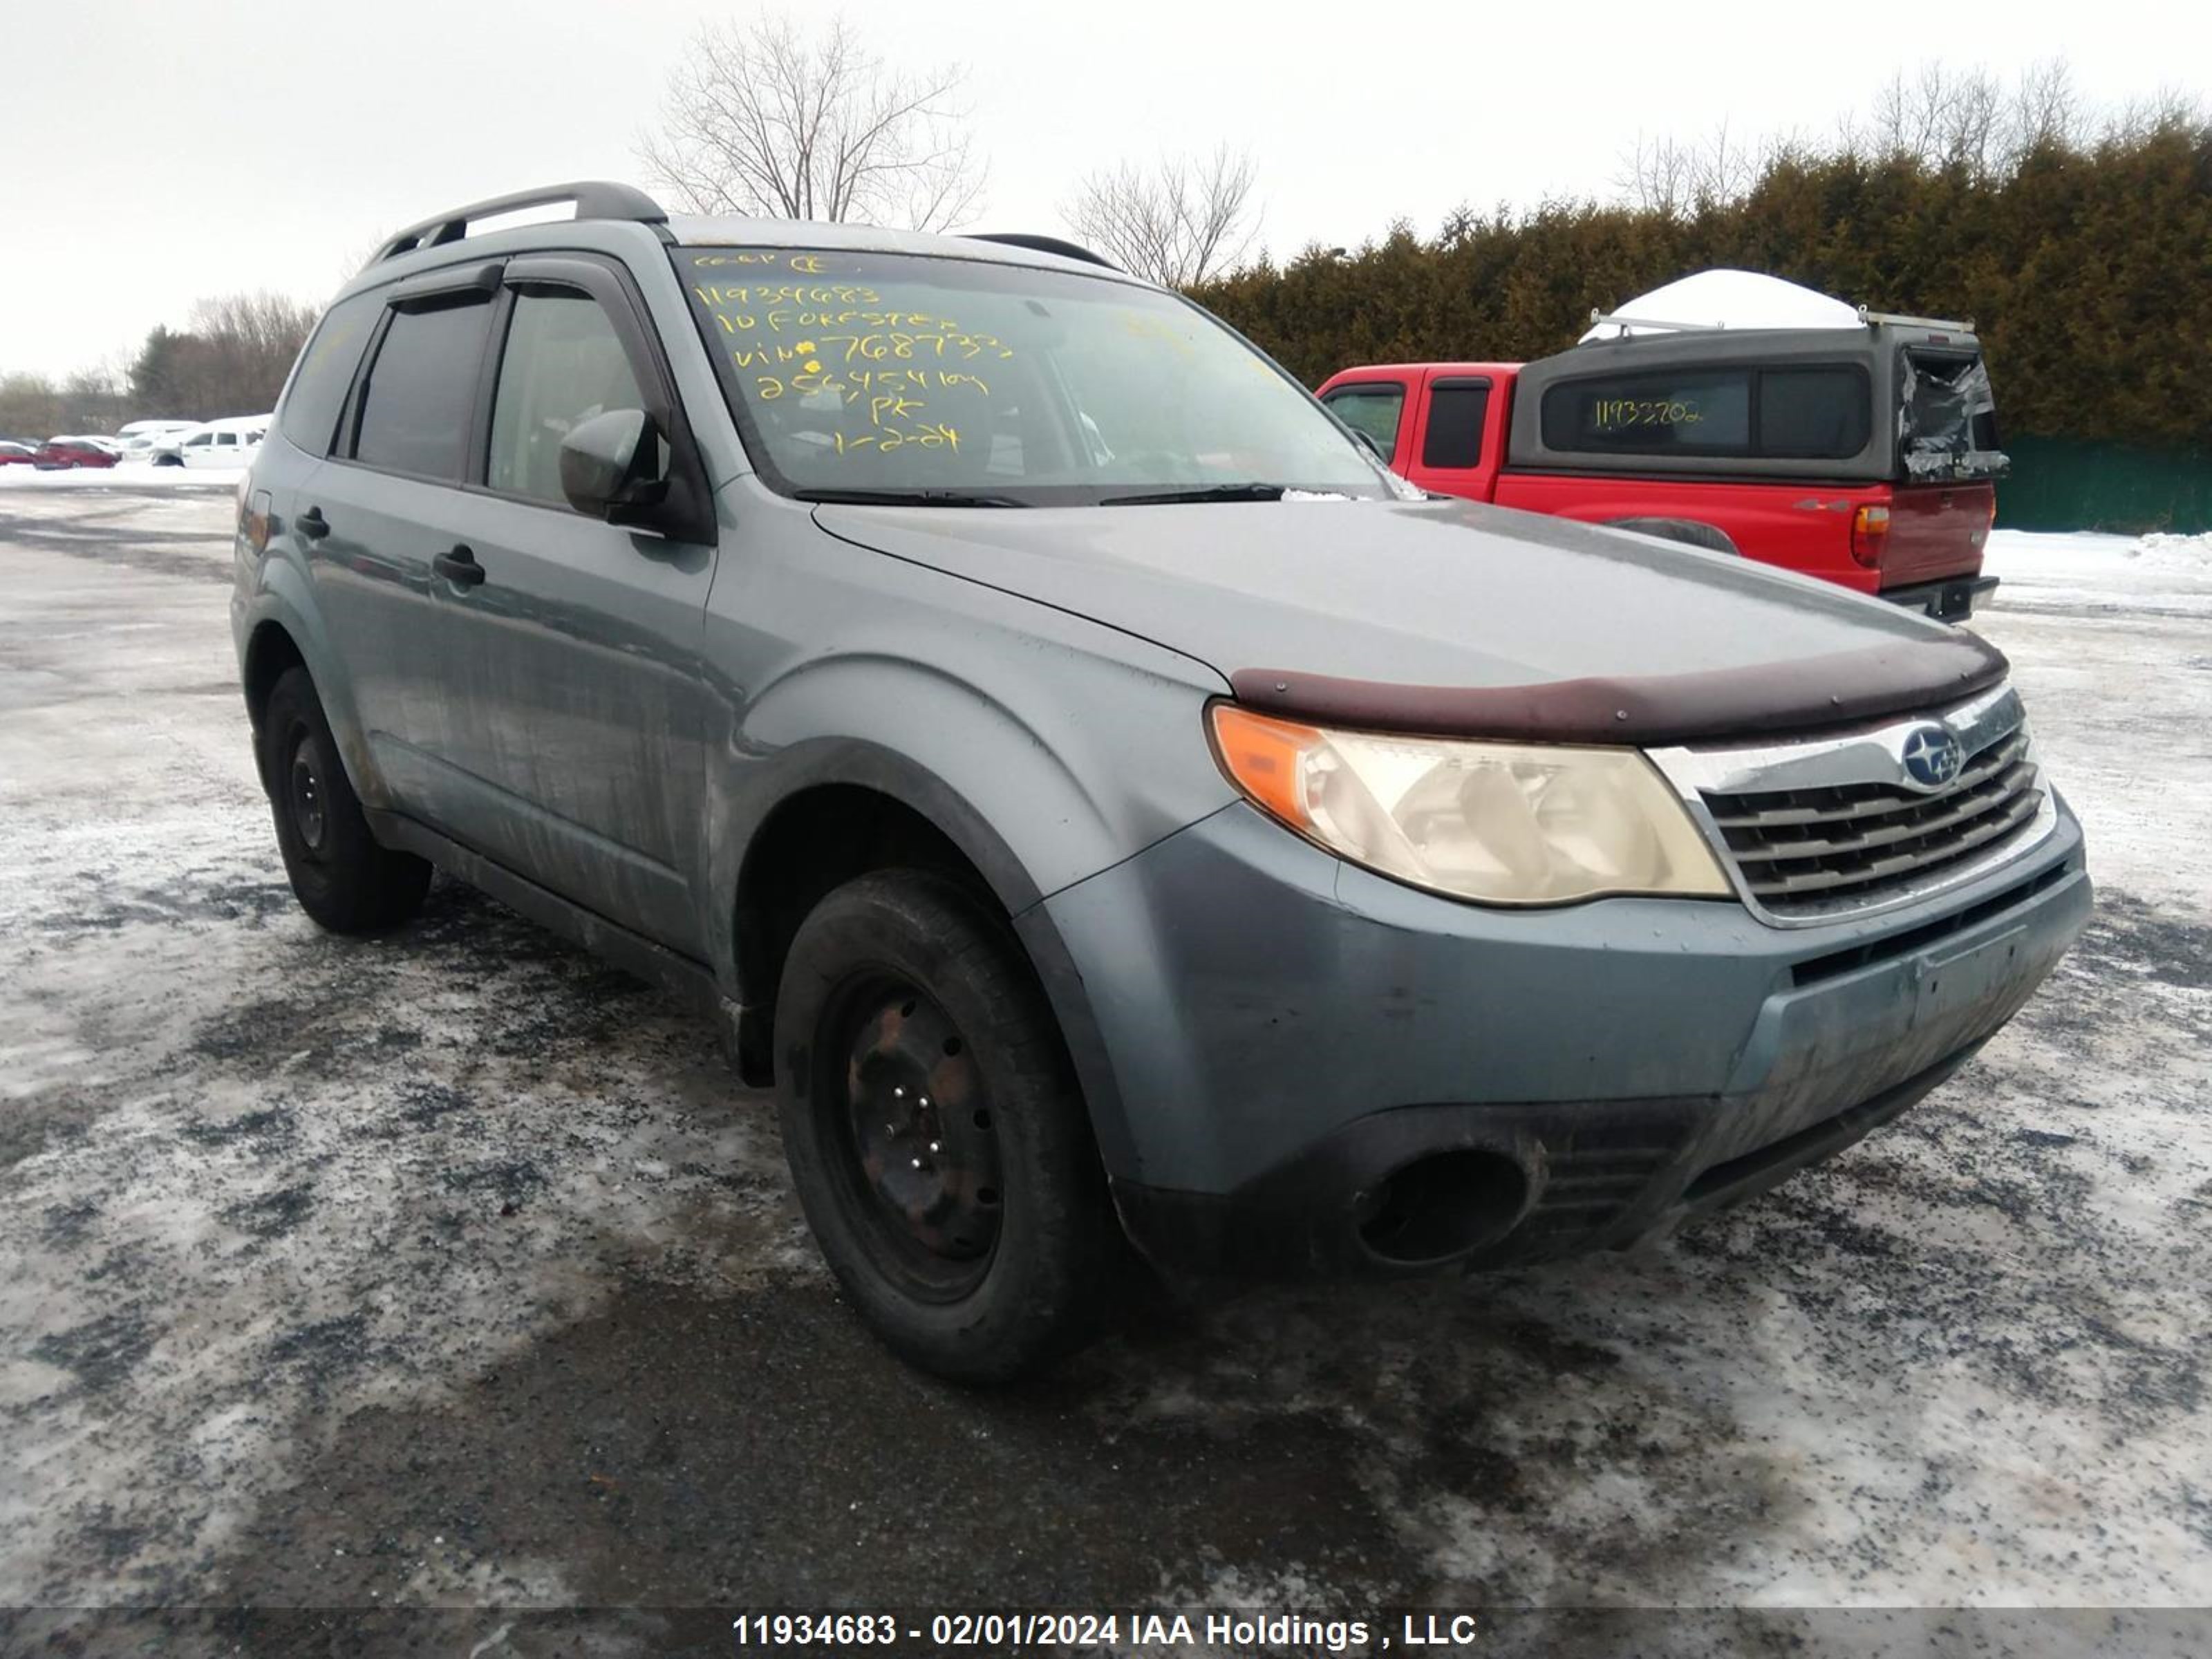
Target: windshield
<point>950,381</point>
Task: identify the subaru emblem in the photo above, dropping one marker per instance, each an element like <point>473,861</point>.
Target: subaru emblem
<point>1932,756</point>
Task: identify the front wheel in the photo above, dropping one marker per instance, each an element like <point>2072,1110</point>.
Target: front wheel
<point>935,1132</point>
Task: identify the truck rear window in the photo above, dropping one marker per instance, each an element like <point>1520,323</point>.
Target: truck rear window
<point>1948,421</point>
<point>1816,412</point>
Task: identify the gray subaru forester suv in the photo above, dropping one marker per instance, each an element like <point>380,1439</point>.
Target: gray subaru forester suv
<point>1109,808</point>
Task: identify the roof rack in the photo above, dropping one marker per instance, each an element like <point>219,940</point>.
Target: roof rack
<point>1602,318</point>
<point>594,199</point>
<point>1065,250</point>
<point>1870,317</point>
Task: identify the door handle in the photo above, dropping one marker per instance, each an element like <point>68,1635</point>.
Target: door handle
<point>459,567</point>
<point>313,524</point>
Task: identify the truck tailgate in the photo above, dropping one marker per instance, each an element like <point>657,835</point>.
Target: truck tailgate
<point>1935,531</point>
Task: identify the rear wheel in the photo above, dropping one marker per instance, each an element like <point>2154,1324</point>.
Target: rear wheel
<point>935,1132</point>
<point>340,874</point>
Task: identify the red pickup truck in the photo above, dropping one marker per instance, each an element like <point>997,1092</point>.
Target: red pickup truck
<point>1865,455</point>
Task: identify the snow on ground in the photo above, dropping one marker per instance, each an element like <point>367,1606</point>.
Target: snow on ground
<point>451,1269</point>
<point>2110,638</point>
<point>123,475</point>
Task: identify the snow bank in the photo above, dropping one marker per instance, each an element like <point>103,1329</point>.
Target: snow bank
<point>2095,573</point>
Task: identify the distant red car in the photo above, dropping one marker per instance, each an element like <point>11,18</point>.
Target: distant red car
<point>14,454</point>
<point>73,452</point>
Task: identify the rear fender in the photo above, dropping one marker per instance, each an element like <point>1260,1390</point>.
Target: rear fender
<point>1689,531</point>
<point>283,595</point>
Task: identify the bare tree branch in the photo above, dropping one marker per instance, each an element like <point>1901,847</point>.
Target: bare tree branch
<point>1938,116</point>
<point>1180,223</point>
<point>764,120</point>
<point>1672,176</point>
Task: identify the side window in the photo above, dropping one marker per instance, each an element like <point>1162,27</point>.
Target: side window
<point>199,440</point>
<point>1457,410</point>
<point>564,364</point>
<point>1370,406</point>
<point>1823,412</point>
<point>310,418</point>
<point>1693,411</point>
<point>415,410</point>
<point>226,441</point>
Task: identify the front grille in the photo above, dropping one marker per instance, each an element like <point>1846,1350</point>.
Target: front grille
<point>1819,850</point>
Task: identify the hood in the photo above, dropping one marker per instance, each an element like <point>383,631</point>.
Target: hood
<point>1453,615</point>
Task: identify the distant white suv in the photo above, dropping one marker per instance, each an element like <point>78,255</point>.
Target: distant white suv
<point>229,443</point>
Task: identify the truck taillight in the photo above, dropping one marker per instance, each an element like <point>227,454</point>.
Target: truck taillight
<point>1869,535</point>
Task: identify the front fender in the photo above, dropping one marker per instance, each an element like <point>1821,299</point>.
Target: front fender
<point>1045,747</point>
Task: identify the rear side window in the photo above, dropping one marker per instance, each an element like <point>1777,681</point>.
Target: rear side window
<point>422,389</point>
<point>1819,412</point>
<point>310,418</point>
<point>1697,411</point>
<point>1453,438</point>
<point>564,364</point>
<point>1374,408</point>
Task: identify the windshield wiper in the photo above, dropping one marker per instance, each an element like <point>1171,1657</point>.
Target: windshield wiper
<point>1228,492</point>
<point>906,498</point>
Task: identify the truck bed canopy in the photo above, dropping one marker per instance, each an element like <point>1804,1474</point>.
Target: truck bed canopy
<point>1733,374</point>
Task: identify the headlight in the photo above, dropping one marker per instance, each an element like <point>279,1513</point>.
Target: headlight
<point>1501,822</point>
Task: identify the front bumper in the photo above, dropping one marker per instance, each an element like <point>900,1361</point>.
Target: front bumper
<point>1284,1032</point>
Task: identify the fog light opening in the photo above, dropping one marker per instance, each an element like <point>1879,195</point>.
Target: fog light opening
<point>1442,1206</point>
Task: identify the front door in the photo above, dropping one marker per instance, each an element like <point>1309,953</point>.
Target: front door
<point>1377,408</point>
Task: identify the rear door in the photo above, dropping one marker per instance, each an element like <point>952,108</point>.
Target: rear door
<point>378,514</point>
<point>580,692</point>
<point>1456,436</point>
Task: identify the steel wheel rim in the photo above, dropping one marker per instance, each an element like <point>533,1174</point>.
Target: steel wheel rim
<point>309,802</point>
<point>920,1166</point>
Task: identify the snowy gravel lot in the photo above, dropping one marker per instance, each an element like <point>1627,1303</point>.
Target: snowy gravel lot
<point>454,1269</point>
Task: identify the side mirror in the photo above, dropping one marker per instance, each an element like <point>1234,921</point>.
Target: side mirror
<point>610,466</point>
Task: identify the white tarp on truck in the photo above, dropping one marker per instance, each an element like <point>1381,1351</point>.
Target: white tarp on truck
<point>1728,299</point>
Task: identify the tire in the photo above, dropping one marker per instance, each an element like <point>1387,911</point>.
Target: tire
<point>973,1232</point>
<point>342,878</point>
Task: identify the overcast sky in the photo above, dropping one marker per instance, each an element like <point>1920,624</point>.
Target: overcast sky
<point>160,150</point>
